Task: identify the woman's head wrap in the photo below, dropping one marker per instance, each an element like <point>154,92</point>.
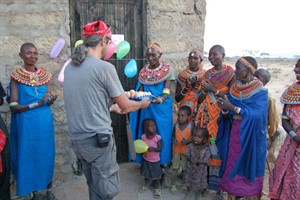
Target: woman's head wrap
<point>245,62</point>
<point>197,53</point>
<point>155,46</point>
<point>96,28</point>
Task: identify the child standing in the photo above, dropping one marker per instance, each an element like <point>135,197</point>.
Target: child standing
<point>150,167</point>
<point>197,155</point>
<point>182,136</point>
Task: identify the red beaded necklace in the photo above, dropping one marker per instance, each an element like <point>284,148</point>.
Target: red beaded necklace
<point>291,95</point>
<point>40,77</point>
<point>150,76</point>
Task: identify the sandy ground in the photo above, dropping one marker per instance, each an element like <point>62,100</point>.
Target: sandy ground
<point>76,188</point>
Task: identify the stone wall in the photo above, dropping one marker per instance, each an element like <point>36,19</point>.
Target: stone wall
<point>177,25</point>
<point>41,22</point>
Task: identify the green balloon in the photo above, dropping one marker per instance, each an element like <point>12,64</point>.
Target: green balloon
<point>122,49</point>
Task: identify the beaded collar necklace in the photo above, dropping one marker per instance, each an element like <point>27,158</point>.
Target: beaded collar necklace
<point>292,94</point>
<point>219,78</point>
<point>40,77</point>
<point>244,91</point>
<point>186,75</point>
<point>150,76</point>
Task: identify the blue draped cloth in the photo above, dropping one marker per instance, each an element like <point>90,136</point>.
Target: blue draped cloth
<point>253,138</point>
<point>32,142</point>
<point>162,114</point>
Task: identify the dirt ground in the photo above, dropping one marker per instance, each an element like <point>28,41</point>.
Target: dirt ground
<point>76,189</point>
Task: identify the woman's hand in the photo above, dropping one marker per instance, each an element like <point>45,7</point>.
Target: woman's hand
<point>157,100</point>
<point>224,103</point>
<point>207,87</point>
<point>48,97</point>
<point>43,100</point>
<point>51,99</point>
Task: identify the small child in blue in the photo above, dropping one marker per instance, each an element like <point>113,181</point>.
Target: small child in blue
<point>150,167</point>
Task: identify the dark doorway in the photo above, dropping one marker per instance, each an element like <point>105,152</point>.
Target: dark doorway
<point>126,17</point>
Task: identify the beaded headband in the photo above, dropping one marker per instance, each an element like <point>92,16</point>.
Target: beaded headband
<point>197,52</point>
<point>248,64</point>
<point>154,46</point>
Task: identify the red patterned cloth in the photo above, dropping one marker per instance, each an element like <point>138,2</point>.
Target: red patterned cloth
<point>192,87</point>
<point>2,143</point>
<point>96,28</point>
<point>285,178</point>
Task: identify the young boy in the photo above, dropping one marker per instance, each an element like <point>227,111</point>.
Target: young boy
<point>182,136</point>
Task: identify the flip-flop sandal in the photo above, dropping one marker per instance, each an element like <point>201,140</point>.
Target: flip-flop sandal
<point>142,189</point>
<point>185,188</point>
<point>173,189</point>
<point>219,196</point>
<point>157,193</point>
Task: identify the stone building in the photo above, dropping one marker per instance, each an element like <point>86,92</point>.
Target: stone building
<point>177,25</point>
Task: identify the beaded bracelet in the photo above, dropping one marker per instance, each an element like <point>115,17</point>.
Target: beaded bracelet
<point>14,103</point>
<point>33,105</point>
<point>225,112</point>
<point>237,110</point>
<point>182,93</point>
<point>292,134</point>
<point>166,91</point>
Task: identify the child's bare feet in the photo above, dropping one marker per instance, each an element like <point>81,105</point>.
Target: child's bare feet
<point>142,189</point>
<point>157,193</point>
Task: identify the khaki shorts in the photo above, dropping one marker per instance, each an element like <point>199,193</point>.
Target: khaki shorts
<point>178,161</point>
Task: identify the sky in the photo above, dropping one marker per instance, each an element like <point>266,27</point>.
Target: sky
<point>260,26</point>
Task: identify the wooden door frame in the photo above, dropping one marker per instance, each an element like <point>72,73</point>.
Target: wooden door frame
<point>77,29</point>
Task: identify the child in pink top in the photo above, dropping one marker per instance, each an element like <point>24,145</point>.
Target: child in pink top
<point>150,167</point>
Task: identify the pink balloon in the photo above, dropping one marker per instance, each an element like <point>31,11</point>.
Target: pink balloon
<point>56,49</point>
<point>110,51</point>
<point>61,75</point>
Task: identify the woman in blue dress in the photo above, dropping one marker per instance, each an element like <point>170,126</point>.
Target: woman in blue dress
<point>32,129</point>
<point>156,77</point>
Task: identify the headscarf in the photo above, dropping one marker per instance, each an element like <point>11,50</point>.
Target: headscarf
<point>96,28</point>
